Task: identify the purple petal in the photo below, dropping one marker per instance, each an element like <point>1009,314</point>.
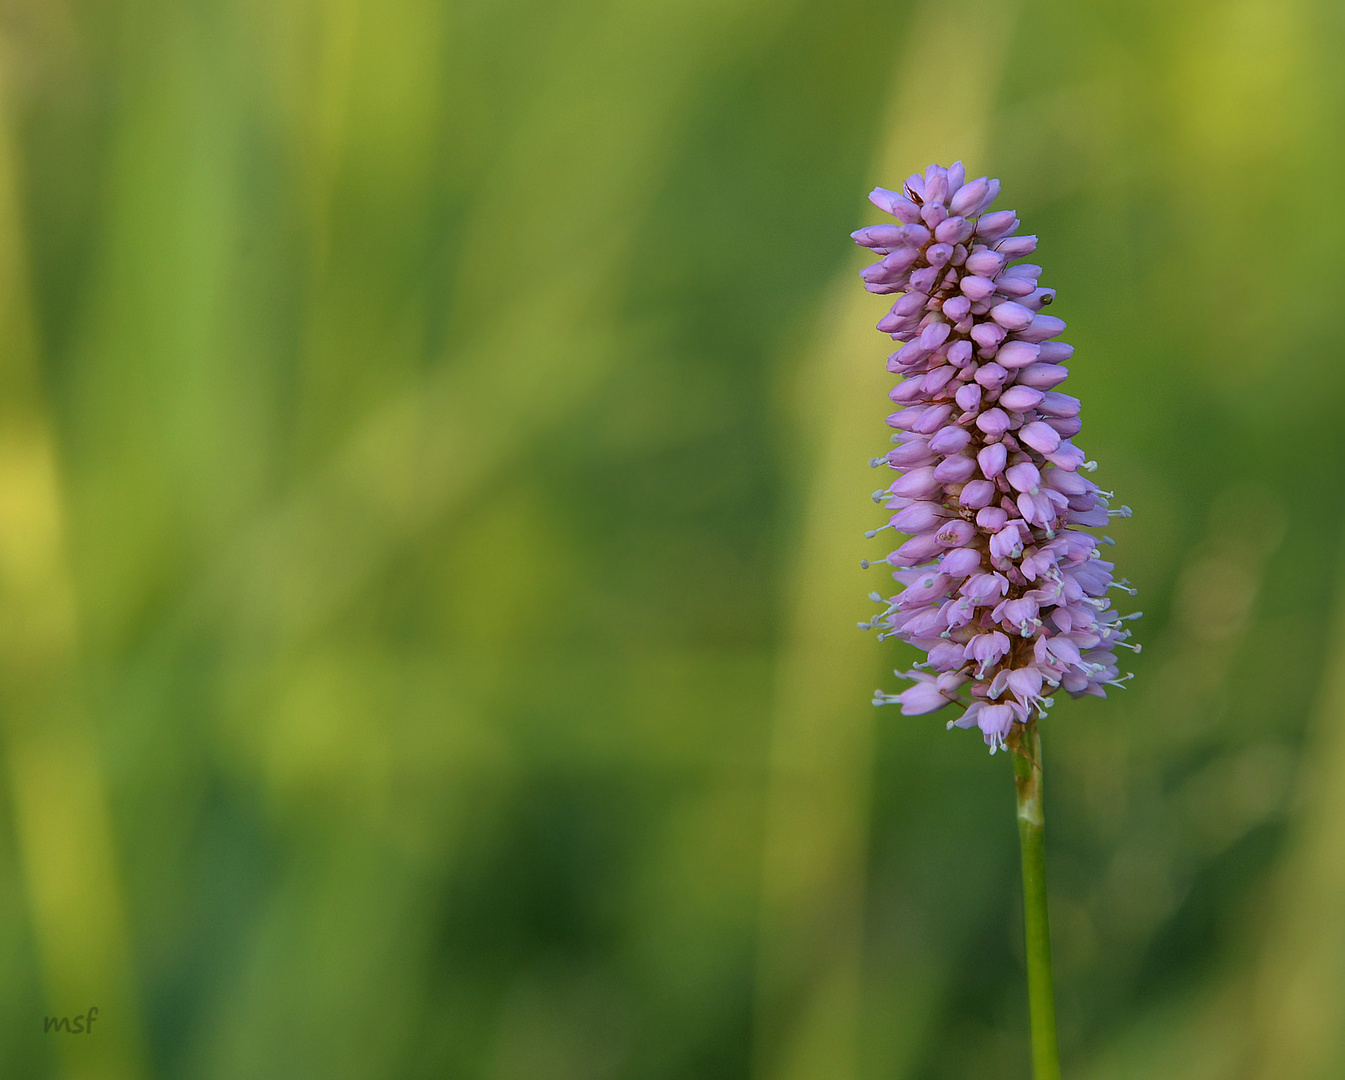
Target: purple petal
<point>977,494</point>
<point>985,264</point>
<point>1036,509</point>
<point>895,204</point>
<point>986,648</point>
<point>976,287</point>
<point>959,352</point>
<point>988,335</point>
<point>960,562</point>
<point>1056,351</point>
<point>926,623</point>
<point>946,656</point>
<point>895,324</point>
<point>1000,223</point>
<point>915,551</point>
<point>1092,519</point>
<point>968,197</point>
<point>1009,315</point>
<point>1023,476</point>
<point>1068,456</point>
<point>1007,543</point>
<point>932,213</point>
<point>1071,483</point>
<point>916,484</point>
<point>953,230</point>
<point>920,699</point>
<point>956,533</point>
<point>991,376</point>
<point>949,440</point>
<point>1064,650</point>
<point>934,417</point>
<point>918,517</point>
<point>991,460</point>
<point>1017,354</point>
<point>995,720</point>
<point>957,308</point>
<point>1041,437</point>
<point>953,470</point>
<point>992,518</point>
<point>968,718</point>
<point>1041,328</point>
<point>934,335</point>
<point>915,452</point>
<point>1025,684</point>
<point>950,682</point>
<point>994,422</point>
<point>968,396</point>
<point>907,391</point>
<point>1018,398</point>
<point>879,236</point>
<point>939,254</point>
<point>1015,247</point>
<point>937,379</point>
<point>1057,404</point>
<point>936,185</point>
<point>983,587</point>
<point>922,280</point>
<point>1014,287</point>
<point>1043,376</point>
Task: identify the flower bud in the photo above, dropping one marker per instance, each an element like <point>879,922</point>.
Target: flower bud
<point>898,206</point>
<point>991,459</point>
<point>1000,223</point>
<point>968,198</point>
<point>954,470</point>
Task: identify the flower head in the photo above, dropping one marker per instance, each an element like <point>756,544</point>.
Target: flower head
<point>1003,591</point>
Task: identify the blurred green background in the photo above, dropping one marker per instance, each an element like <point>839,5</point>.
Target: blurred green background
<point>432,479</point>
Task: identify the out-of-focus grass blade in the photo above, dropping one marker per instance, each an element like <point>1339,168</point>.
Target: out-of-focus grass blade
<point>551,224</point>
<point>1298,1015</point>
<point>811,945</point>
<point>56,780</point>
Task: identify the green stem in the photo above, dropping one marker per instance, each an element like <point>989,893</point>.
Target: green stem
<point>1031,835</point>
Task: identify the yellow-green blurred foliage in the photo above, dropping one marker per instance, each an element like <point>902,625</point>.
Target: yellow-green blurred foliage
<point>432,442</point>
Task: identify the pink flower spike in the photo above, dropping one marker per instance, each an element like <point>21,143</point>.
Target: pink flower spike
<point>1003,590</point>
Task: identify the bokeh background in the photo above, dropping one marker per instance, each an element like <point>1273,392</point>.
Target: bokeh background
<point>432,484</point>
